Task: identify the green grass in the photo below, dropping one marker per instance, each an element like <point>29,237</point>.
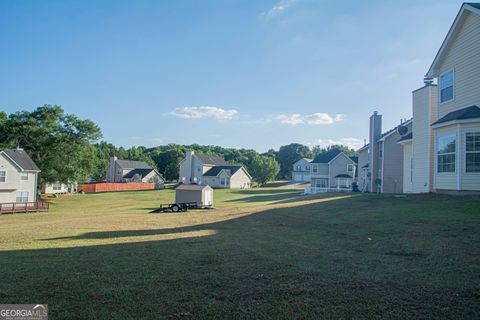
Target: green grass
<point>264,253</point>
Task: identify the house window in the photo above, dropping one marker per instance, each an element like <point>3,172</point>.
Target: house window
<point>350,167</point>
<point>315,169</point>
<point>24,176</point>
<point>307,168</point>
<point>321,183</point>
<point>472,152</point>
<point>446,86</point>
<point>22,196</point>
<point>3,176</point>
<point>446,154</point>
<point>199,169</point>
<point>299,168</point>
<point>343,182</point>
<point>57,187</point>
<point>222,181</point>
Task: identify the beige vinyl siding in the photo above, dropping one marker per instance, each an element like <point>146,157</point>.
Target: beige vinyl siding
<point>407,167</point>
<point>13,183</point>
<point>322,170</point>
<point>424,114</point>
<point>463,58</point>
<point>445,180</point>
<point>240,180</point>
<point>469,180</point>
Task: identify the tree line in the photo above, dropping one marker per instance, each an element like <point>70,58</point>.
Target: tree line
<point>67,148</point>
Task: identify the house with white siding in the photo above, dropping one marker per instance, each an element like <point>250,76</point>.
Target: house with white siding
<point>443,152</point>
<point>18,177</point>
<point>301,170</point>
<point>213,171</point>
<point>380,162</point>
<point>332,171</point>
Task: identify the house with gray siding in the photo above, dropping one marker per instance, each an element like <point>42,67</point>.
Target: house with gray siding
<point>380,162</point>
<point>18,176</point>
<point>330,171</point>
<point>212,171</point>
<point>133,171</point>
<point>444,149</point>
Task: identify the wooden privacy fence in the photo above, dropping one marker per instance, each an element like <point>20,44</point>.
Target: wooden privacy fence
<point>114,186</point>
<point>24,207</point>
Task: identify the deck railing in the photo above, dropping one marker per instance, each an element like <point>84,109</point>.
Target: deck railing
<point>24,207</point>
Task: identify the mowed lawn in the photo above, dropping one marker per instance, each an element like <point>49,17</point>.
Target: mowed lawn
<point>261,254</point>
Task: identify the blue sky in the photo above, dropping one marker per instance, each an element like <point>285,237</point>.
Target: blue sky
<point>254,74</point>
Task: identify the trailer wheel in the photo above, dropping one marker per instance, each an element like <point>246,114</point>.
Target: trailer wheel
<point>175,208</point>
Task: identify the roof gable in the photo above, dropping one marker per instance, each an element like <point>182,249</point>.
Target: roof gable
<point>327,156</point>
<point>21,159</point>
<point>454,29</point>
<point>215,171</point>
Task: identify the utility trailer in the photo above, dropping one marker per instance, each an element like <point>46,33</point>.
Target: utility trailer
<point>179,207</point>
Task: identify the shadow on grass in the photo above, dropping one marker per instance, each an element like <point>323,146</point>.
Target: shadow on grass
<point>311,261</point>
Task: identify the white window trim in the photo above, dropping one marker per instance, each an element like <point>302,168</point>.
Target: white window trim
<point>350,165</point>
<point>464,151</point>
<point>440,87</point>
<point>4,176</point>
<point>452,134</point>
<point>24,174</point>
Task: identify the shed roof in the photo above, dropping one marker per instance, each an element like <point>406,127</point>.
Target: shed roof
<point>462,114</point>
<point>21,158</point>
<point>192,187</point>
<point>343,176</point>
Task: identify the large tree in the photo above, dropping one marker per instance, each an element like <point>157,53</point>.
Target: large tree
<point>59,143</point>
<point>264,169</point>
<point>288,155</point>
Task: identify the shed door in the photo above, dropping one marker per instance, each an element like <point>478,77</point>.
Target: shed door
<point>208,198</point>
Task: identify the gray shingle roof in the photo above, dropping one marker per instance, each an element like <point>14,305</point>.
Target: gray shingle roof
<point>354,159</point>
<point>192,187</point>
<point>22,159</point>
<point>327,156</point>
<point>216,161</point>
<point>462,114</point>
<point>343,176</point>
<point>141,172</point>
<point>213,172</point>
<point>474,4</point>
<point>130,164</point>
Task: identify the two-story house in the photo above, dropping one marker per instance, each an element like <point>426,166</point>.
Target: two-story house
<point>18,176</point>
<point>443,153</point>
<point>133,171</point>
<point>380,162</point>
<point>301,170</point>
<point>332,170</point>
<point>212,171</point>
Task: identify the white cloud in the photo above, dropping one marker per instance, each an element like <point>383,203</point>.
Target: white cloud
<point>310,119</point>
<point>277,9</point>
<point>204,112</point>
<point>352,143</point>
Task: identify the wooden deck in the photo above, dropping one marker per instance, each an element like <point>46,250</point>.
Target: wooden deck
<point>24,207</point>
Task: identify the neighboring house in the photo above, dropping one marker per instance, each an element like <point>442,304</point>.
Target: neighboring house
<point>18,176</point>
<point>212,171</point>
<point>133,171</point>
<point>380,162</point>
<point>444,149</point>
<point>332,170</point>
<point>301,170</point>
<point>60,188</point>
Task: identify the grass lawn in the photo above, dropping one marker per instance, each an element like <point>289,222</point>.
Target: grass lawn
<point>266,253</point>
